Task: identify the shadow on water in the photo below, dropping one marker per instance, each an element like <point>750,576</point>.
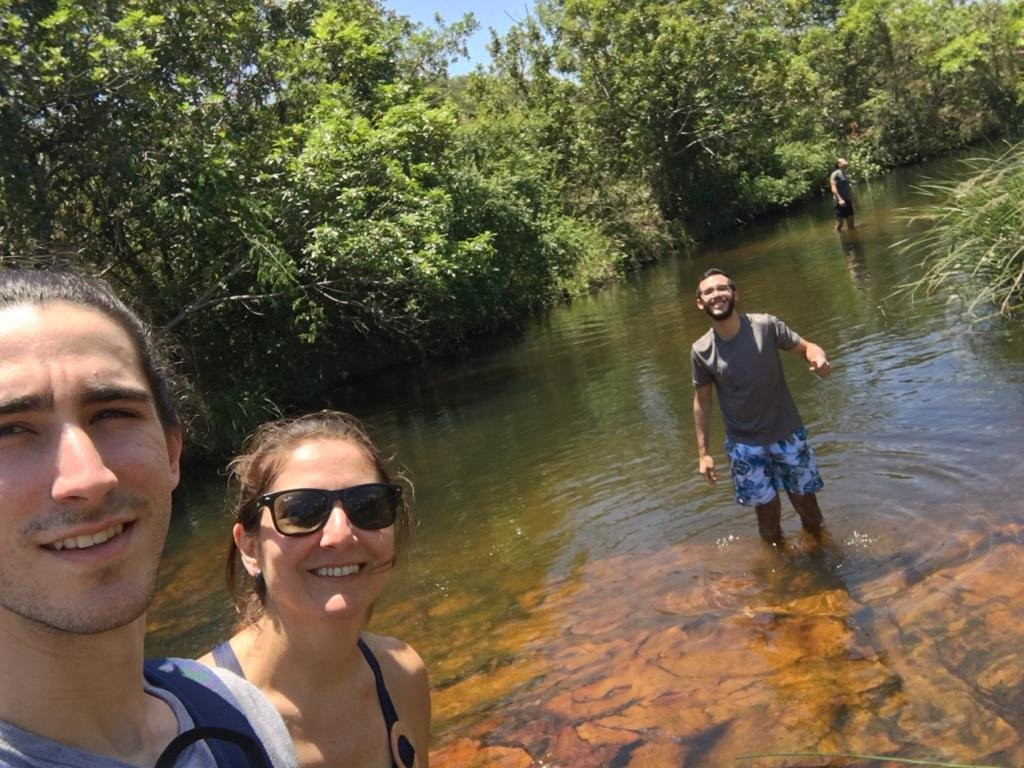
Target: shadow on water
<point>582,598</point>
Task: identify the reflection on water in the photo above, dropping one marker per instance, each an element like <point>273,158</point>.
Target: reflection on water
<point>852,248</point>
<point>583,598</point>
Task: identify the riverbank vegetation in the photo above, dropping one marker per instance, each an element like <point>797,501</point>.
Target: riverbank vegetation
<point>301,195</point>
<point>974,242</point>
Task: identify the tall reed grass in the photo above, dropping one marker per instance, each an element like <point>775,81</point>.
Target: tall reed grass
<point>974,244</point>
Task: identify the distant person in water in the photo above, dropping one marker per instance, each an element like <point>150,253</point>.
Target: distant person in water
<point>764,437</point>
<point>839,183</point>
<point>318,523</point>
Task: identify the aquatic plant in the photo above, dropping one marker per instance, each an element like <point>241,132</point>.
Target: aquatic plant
<point>974,244</point>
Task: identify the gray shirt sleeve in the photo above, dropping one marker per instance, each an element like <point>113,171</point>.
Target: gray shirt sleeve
<point>265,720</point>
<point>785,337</point>
<point>700,375</point>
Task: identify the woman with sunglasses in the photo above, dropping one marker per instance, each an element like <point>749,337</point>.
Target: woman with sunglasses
<point>318,522</point>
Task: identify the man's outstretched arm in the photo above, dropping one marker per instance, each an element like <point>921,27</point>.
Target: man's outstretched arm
<point>702,402</point>
<point>815,356</point>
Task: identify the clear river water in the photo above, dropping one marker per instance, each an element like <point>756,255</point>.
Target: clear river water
<point>583,598</point>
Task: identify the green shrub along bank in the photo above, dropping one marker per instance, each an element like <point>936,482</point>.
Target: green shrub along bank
<point>974,244</point>
<point>300,194</point>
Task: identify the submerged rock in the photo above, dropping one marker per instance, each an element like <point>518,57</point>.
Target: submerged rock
<point>661,664</point>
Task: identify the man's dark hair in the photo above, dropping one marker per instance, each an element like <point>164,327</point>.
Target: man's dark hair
<point>38,287</point>
<point>711,273</point>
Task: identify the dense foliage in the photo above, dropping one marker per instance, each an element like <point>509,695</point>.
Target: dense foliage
<point>974,242</point>
<point>727,110</point>
<point>299,192</point>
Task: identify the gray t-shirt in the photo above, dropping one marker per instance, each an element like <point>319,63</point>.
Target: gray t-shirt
<point>23,749</point>
<point>747,373</point>
<point>842,184</point>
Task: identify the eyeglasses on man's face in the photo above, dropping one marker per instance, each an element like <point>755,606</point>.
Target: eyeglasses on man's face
<point>711,290</point>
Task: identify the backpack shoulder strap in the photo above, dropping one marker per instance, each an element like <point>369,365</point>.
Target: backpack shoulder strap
<point>211,706</point>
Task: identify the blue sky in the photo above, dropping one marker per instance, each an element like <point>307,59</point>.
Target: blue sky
<point>496,14</point>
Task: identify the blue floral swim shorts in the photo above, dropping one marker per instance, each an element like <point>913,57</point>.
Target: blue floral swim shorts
<point>759,472</point>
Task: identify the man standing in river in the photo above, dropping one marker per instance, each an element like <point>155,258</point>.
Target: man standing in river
<point>765,439</point>
<point>90,441</point>
<point>839,183</point>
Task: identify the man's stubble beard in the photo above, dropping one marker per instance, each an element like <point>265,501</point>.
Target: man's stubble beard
<point>730,307</point>
<point>101,610</point>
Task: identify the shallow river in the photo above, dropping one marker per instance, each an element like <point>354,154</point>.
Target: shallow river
<point>583,598</point>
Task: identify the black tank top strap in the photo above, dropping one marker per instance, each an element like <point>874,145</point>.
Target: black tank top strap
<point>403,754</point>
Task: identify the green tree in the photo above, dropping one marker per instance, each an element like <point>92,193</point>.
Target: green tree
<point>286,186</point>
<point>704,100</point>
<point>919,77</point>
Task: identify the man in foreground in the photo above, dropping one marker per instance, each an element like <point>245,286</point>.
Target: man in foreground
<point>765,438</point>
<point>90,441</point>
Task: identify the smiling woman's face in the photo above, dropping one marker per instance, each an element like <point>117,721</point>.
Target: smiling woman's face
<point>339,570</point>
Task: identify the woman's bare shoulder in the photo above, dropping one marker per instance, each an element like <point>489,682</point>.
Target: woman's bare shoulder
<point>405,676</point>
<point>396,655</point>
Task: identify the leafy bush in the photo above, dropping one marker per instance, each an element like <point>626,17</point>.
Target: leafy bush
<point>974,243</point>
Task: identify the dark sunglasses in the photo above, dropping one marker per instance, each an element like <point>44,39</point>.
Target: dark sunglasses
<point>301,511</point>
